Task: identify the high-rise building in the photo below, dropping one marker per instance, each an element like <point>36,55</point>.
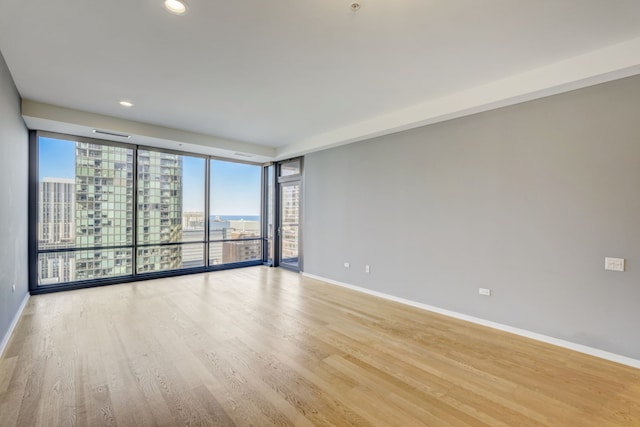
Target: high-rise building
<point>56,225</point>
<point>193,221</point>
<point>159,210</point>
<point>241,250</point>
<point>219,230</point>
<point>193,231</point>
<point>223,250</point>
<point>56,229</point>
<point>95,211</point>
<point>103,210</point>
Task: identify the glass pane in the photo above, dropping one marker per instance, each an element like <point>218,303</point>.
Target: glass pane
<point>193,199</point>
<point>60,267</point>
<point>85,200</point>
<point>170,198</point>
<point>215,253</point>
<point>235,251</point>
<point>290,168</point>
<point>234,201</point>
<point>193,255</point>
<point>270,212</point>
<point>56,194</point>
<point>170,257</point>
<point>85,195</point>
<point>104,195</point>
<point>290,200</point>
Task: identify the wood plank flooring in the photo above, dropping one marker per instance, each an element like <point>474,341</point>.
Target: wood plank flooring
<point>263,346</point>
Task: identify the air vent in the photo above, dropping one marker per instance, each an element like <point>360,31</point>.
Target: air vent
<point>120,135</point>
<point>243,154</point>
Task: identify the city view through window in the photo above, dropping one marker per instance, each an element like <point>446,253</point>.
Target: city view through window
<point>86,210</point>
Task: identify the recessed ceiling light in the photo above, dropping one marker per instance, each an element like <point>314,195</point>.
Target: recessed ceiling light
<point>177,7</point>
<point>126,104</point>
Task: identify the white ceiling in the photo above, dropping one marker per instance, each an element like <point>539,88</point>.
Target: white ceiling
<point>299,75</point>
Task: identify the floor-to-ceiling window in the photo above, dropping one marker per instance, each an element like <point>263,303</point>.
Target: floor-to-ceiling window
<point>235,230</point>
<point>108,212</point>
<point>171,201</point>
<point>85,211</point>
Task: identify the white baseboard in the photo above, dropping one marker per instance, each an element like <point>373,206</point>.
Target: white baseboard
<point>522,332</point>
<point>14,323</point>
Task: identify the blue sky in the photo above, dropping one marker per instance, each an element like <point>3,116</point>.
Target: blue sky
<point>235,186</point>
<point>57,158</point>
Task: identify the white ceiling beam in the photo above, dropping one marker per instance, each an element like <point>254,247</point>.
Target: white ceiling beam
<point>610,63</point>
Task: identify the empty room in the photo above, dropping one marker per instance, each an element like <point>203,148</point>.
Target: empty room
<point>320,213</point>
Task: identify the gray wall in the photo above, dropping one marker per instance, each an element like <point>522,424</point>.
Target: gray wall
<point>13,201</point>
<point>526,200</point>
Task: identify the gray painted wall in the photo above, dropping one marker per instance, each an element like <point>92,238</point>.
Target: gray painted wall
<point>14,147</point>
<point>526,200</point>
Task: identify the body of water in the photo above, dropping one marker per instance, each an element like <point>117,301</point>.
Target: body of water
<point>236,217</point>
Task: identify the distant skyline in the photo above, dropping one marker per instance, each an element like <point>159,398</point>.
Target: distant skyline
<point>235,186</point>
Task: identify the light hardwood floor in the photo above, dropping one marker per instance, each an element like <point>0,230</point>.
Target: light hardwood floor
<point>262,346</point>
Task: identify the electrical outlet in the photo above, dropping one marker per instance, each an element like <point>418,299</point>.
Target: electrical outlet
<point>367,269</point>
<point>614,264</point>
<point>346,265</point>
<point>484,291</point>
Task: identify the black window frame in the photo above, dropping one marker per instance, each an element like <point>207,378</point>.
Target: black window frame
<point>35,251</point>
